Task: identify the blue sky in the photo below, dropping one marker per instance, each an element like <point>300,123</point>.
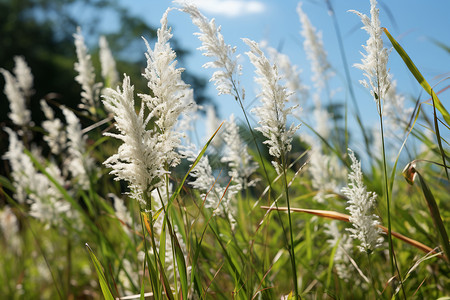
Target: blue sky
<point>412,22</point>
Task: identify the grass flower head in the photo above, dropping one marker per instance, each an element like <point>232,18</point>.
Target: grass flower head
<point>214,46</point>
<point>138,160</point>
<point>315,51</point>
<point>19,113</point>
<point>109,71</point>
<point>374,62</point>
<point>273,112</point>
<point>167,102</point>
<point>90,94</point>
<point>360,205</point>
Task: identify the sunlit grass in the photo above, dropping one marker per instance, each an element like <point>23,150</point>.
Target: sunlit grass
<point>270,240</point>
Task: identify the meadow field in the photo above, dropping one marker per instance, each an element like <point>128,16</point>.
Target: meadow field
<point>296,197</point>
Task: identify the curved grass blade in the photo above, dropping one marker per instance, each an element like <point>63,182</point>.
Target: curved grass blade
<point>330,263</point>
<point>106,291</point>
<point>181,265</point>
<point>159,266</point>
<point>435,215</point>
<point>413,69</point>
<point>438,135</point>
<point>180,186</point>
<point>6,183</point>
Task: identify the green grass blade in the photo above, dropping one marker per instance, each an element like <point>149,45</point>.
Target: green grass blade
<point>413,69</point>
<point>330,264</point>
<point>6,183</point>
<point>106,291</point>
<point>235,270</point>
<point>441,45</point>
<point>181,265</point>
<point>179,257</point>
<point>142,293</point>
<point>159,268</point>
<point>435,215</point>
<point>438,135</point>
<point>180,186</point>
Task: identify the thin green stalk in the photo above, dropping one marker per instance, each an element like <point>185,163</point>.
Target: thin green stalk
<point>172,233</point>
<point>386,187</point>
<point>394,266</point>
<point>69,264</point>
<point>291,248</point>
<point>156,289</point>
<point>39,246</point>
<point>372,281</point>
<point>239,100</point>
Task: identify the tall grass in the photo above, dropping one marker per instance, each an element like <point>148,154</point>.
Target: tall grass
<point>129,207</point>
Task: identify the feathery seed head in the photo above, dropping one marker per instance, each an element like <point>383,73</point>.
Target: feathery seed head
<point>315,51</point>
<point>56,137</point>
<point>46,202</point>
<point>86,75</point>
<point>360,204</point>
<point>169,91</point>
<point>24,76</point>
<point>138,160</point>
<point>237,156</point>
<point>214,46</point>
<point>216,197</point>
<point>79,163</point>
<point>291,74</point>
<point>109,71</point>
<point>374,61</point>
<point>20,114</point>
<point>327,175</point>
<point>344,267</point>
<point>272,113</point>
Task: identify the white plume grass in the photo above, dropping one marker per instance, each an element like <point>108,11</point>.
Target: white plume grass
<point>19,114</point>
<point>214,46</point>
<point>46,202</point>
<point>374,61</point>
<point>344,267</point>
<point>109,71</point>
<point>24,76</point>
<point>80,165</point>
<point>298,92</point>
<point>9,227</point>
<point>216,197</point>
<point>360,205</point>
<point>138,160</point>
<point>147,154</point>
<point>315,51</point>
<point>236,155</point>
<point>90,94</point>
<point>167,102</point>
<point>56,136</point>
<point>272,113</point>
<point>327,175</point>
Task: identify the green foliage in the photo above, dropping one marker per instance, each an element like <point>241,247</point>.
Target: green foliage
<point>99,269</point>
<point>200,254</point>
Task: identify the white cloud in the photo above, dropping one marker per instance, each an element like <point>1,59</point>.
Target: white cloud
<point>229,8</point>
